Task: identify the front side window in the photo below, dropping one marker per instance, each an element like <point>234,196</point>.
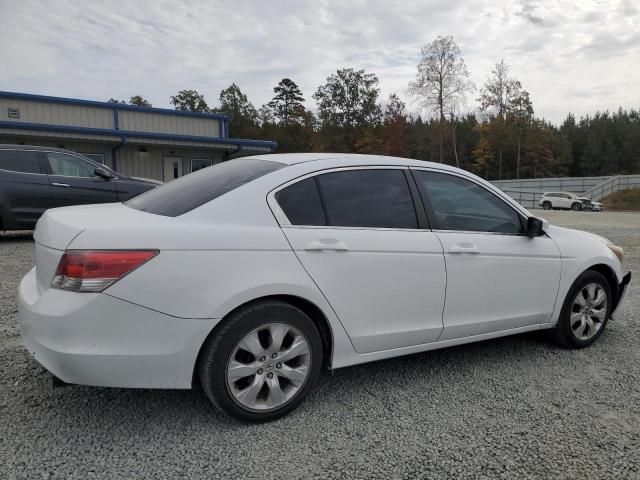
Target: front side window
<point>69,166</point>
<point>21,161</point>
<point>460,204</point>
<point>375,198</point>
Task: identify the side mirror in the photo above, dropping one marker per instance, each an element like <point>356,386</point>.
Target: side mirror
<point>102,173</point>
<point>536,227</point>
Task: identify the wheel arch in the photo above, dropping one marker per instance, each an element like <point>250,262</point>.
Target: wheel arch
<point>308,307</point>
<point>607,272</point>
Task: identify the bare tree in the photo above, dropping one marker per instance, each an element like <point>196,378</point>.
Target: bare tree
<point>505,101</point>
<point>442,81</point>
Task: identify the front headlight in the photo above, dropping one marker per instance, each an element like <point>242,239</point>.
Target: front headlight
<point>618,251</point>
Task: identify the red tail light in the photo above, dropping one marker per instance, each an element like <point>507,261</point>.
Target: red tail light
<point>95,270</point>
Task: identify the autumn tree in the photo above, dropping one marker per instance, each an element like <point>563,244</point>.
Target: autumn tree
<point>394,128</point>
<point>442,82</point>
<point>189,101</point>
<point>483,157</point>
<point>347,103</point>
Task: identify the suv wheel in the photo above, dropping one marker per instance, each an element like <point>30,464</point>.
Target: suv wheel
<point>546,205</point>
<point>576,207</point>
<point>262,363</point>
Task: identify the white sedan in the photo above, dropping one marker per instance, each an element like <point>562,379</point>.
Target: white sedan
<point>251,276</point>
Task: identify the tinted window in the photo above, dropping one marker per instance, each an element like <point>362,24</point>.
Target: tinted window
<point>301,203</point>
<point>69,166</point>
<point>460,204</point>
<point>19,161</point>
<point>368,198</point>
<point>195,189</point>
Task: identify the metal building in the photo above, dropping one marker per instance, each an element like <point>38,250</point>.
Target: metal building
<point>156,143</point>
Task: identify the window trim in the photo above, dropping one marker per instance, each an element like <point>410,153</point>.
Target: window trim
<point>432,216</point>
<point>284,221</point>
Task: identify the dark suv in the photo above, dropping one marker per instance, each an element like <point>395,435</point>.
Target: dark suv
<point>33,179</point>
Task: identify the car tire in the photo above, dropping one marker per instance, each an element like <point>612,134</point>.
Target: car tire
<point>576,207</point>
<point>278,378</point>
<point>574,329</point>
<point>546,205</point>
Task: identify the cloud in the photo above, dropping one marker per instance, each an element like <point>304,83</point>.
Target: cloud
<point>105,49</point>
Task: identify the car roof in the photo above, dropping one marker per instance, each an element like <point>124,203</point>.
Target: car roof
<point>352,158</point>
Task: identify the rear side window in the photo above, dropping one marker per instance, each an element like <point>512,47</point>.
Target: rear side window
<point>301,203</point>
<point>19,161</point>
<point>374,198</point>
<point>195,189</point>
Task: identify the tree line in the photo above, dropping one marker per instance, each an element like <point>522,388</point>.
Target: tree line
<point>502,139</point>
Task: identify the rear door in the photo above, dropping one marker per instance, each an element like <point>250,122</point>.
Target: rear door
<point>24,189</point>
<point>358,234</point>
<point>73,182</point>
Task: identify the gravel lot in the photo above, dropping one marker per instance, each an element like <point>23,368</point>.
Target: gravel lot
<point>517,407</point>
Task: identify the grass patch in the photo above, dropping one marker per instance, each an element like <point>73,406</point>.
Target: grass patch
<point>628,200</point>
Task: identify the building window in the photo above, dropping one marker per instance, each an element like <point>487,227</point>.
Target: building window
<point>199,164</point>
<point>96,157</point>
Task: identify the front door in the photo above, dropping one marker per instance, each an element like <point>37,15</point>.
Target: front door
<point>172,168</point>
<point>497,277</point>
<point>357,235</point>
<point>73,182</point>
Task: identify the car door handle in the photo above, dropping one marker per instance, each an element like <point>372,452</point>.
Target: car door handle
<point>56,184</point>
<point>325,244</point>
<point>463,247</point>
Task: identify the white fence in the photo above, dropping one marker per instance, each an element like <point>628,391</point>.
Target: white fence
<point>527,192</point>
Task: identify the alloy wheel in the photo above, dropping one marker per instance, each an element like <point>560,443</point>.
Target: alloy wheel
<point>268,366</point>
<point>588,311</point>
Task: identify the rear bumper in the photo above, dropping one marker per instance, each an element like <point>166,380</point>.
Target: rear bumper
<point>622,295</point>
<point>96,339</point>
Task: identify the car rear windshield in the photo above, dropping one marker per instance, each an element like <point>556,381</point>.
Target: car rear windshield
<point>195,189</point>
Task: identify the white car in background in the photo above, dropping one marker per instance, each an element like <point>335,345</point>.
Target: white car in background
<point>252,275</point>
<point>567,201</point>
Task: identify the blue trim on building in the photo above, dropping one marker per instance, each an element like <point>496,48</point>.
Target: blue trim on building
<point>125,134</point>
<point>115,106</point>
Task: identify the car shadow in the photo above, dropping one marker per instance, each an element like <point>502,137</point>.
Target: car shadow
<point>344,389</point>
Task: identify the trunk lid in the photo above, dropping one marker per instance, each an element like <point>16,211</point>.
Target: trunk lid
<point>58,227</point>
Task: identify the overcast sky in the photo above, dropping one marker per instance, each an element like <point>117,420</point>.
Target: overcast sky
<point>578,56</point>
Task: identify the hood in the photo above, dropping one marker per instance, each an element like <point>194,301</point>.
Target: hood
<point>578,235</point>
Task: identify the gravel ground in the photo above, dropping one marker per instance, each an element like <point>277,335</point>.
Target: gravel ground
<point>517,407</point>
